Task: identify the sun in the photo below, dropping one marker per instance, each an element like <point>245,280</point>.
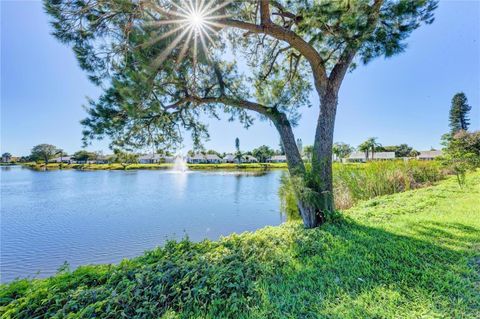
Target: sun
<point>193,22</point>
<point>196,20</point>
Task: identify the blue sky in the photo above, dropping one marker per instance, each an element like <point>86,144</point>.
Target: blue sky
<point>404,99</point>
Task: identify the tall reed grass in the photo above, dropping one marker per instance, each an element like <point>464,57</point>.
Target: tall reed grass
<point>354,182</point>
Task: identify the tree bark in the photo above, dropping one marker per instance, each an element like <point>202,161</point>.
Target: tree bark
<point>311,214</point>
<point>322,152</point>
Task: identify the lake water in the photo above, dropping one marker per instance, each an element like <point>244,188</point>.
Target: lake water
<point>85,217</point>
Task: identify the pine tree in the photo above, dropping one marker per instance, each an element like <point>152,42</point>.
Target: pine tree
<point>459,113</point>
<point>159,79</point>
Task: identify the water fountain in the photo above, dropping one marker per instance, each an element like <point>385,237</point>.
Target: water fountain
<point>180,165</point>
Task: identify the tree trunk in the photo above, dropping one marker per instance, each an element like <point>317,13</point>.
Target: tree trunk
<point>322,153</point>
<point>309,211</point>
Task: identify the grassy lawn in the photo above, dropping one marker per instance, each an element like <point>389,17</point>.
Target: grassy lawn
<point>409,255</point>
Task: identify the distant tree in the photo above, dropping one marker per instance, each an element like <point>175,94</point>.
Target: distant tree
<point>124,158</point>
<point>368,146</point>
<point>342,150</point>
<point>459,113</point>
<point>6,157</point>
<point>44,152</point>
<point>238,153</point>
<point>25,159</point>
<point>308,151</point>
<point>414,153</point>
<point>403,150</point>
<point>164,152</point>
<point>83,156</point>
<point>300,146</point>
<point>462,153</point>
<point>263,153</point>
<point>386,148</point>
<point>237,144</point>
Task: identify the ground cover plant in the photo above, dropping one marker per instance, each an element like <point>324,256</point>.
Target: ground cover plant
<point>408,255</point>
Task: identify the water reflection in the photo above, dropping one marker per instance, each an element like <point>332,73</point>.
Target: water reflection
<point>288,200</point>
<point>87,217</point>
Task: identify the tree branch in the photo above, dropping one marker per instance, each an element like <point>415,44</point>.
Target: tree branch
<point>341,68</point>
<point>265,12</point>
<point>280,33</point>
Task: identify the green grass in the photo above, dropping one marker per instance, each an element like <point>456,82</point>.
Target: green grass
<point>409,255</point>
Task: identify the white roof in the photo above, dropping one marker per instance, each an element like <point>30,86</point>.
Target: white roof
<point>212,157</point>
<point>278,157</point>
<point>150,156</point>
<point>375,155</point>
<point>63,158</point>
<point>197,156</point>
<point>382,155</point>
<point>430,154</point>
<point>357,155</point>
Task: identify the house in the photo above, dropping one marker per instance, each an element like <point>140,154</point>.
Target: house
<point>213,159</point>
<point>10,159</point>
<point>230,158</point>
<point>155,159</point>
<point>277,159</point>
<point>196,159</point>
<point>169,159</point>
<point>204,159</point>
<point>249,159</point>
<point>356,157</point>
<point>377,156</point>
<point>101,159</point>
<point>429,155</point>
<point>63,159</point>
<point>150,159</point>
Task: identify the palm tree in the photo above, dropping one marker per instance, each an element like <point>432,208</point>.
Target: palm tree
<point>238,153</point>
<point>6,157</point>
<point>369,144</point>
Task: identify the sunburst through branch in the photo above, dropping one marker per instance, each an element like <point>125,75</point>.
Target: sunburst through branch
<point>193,22</point>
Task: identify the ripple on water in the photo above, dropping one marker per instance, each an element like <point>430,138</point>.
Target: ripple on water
<point>105,216</point>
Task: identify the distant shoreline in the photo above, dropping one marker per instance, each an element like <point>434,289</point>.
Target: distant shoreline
<point>162,166</point>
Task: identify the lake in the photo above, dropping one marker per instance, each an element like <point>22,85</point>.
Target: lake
<point>89,217</point>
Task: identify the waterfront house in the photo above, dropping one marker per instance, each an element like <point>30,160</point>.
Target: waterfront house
<point>429,155</point>
<point>204,159</point>
<point>155,159</point>
<point>196,159</point>
<point>149,159</point>
<point>376,156</point>
<point>62,159</point>
<point>249,159</point>
<point>230,158</point>
<point>101,159</point>
<point>212,159</point>
<point>277,159</point>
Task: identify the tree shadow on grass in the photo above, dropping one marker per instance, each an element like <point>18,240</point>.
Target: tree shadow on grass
<point>348,270</point>
<point>341,270</point>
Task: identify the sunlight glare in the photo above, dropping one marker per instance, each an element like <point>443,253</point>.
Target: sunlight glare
<point>192,21</point>
<point>196,20</point>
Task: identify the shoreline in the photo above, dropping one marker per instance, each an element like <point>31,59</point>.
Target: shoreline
<point>162,166</point>
<point>367,256</point>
